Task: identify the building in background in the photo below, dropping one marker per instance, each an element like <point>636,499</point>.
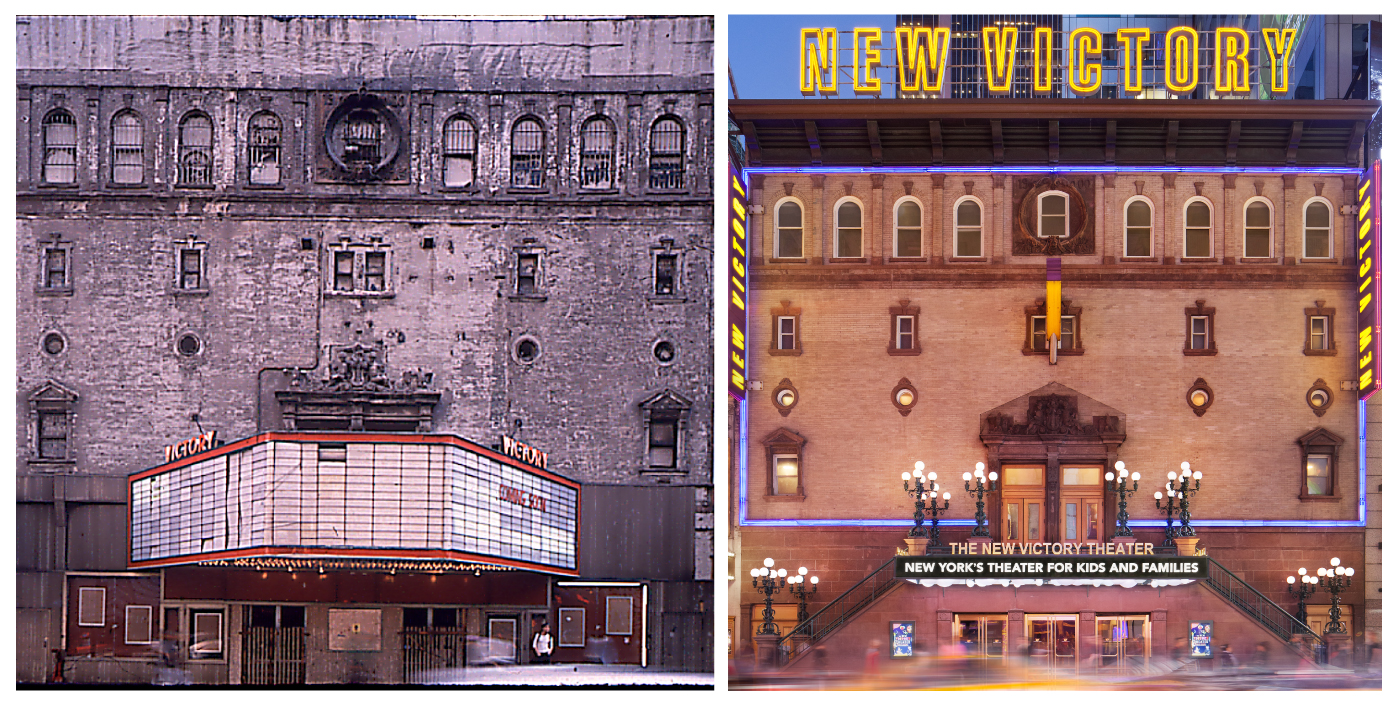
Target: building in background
<point>354,349</point>
<point>1211,273</point>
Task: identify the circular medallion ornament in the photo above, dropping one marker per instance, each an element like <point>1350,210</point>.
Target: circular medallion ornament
<point>363,136</point>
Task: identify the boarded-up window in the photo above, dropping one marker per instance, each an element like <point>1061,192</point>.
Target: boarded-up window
<point>502,638</point>
<point>139,619</point>
<point>618,612</point>
<point>206,639</point>
<point>573,626</point>
<point>92,607</point>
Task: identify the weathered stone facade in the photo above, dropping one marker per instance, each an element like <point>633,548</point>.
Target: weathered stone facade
<point>550,308</point>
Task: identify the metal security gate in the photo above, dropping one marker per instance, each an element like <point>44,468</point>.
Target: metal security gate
<point>273,645</point>
<point>427,650</point>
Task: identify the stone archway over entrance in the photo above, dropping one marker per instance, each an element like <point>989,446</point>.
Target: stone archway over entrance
<point>1051,428</point>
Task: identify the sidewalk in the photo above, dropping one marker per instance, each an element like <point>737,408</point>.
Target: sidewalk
<point>568,675</point>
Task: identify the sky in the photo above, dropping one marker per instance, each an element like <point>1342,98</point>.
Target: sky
<point>763,50</point>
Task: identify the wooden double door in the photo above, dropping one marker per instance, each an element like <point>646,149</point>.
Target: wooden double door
<point>1078,514</point>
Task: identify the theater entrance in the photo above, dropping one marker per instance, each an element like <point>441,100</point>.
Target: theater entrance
<point>1052,643</point>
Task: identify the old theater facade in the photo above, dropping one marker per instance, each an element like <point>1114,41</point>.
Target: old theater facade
<point>899,258</point>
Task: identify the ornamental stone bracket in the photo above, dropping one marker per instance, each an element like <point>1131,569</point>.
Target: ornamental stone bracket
<point>357,394</point>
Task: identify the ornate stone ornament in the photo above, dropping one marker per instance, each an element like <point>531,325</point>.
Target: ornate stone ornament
<point>363,136</point>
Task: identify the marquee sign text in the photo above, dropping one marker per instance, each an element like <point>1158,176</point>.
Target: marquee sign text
<point>1045,549</point>
<point>736,287</point>
<point>922,58</point>
<point>186,448</point>
<point>522,451</point>
<point>1368,281</point>
<point>514,495</point>
<point>1070,567</point>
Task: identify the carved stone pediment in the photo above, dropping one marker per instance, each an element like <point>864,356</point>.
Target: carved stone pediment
<point>1053,410</point>
<point>358,394</point>
<point>361,368</point>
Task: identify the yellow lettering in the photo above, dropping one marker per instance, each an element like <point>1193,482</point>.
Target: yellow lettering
<point>1365,283</point>
<point>738,209</point>
<point>1085,78</point>
<point>736,360</point>
<point>1132,41</point>
<point>1365,337</point>
<point>736,184</point>
<point>738,339</point>
<point>1365,360</point>
<point>1362,251</point>
<point>736,245</point>
<point>1365,301</point>
<point>1365,208</point>
<point>999,55</point>
<point>818,59</point>
<point>1365,267</point>
<point>1041,60</point>
<point>1182,56</point>
<point>738,380</point>
<point>737,282</point>
<point>1361,192</point>
<point>1232,60</point>
<point>1280,45</point>
<point>737,267</point>
<point>864,38</point>
<point>737,301</point>
<point>1367,377</point>
<point>926,51</point>
<point>739,228</point>
<point>1365,230</point>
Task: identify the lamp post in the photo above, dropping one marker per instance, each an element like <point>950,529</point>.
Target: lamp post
<point>1184,492</point>
<point>1335,580</point>
<point>798,590</point>
<point>1170,534</point>
<point>769,581</point>
<point>921,495</point>
<point>980,518</point>
<point>1121,526</point>
<point>1308,587</point>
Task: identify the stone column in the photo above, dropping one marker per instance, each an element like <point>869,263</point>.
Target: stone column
<point>702,181</point>
<point>767,647</point>
<point>817,218</point>
<point>1292,237</point>
<point>944,627</point>
<point>1002,218</point>
<point>566,175</point>
<point>936,225</point>
<point>875,235</point>
<point>755,222</point>
<point>1050,519</point>
<point>1110,239</point>
<point>1232,247</point>
<point>1166,245</point>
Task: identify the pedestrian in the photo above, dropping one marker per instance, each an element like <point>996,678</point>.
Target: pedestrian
<point>1261,658</point>
<point>542,645</point>
<point>871,663</point>
<point>1227,657</point>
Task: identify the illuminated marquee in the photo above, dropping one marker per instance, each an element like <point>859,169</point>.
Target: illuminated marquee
<point>1368,276</point>
<point>736,286</point>
<point>922,58</point>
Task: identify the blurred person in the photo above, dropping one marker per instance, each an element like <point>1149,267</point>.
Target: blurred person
<point>542,645</point>
<point>1261,657</point>
<point>1179,649</point>
<point>1227,657</point>
<point>871,663</point>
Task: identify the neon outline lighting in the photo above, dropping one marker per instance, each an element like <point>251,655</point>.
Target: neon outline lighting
<point>1183,57</point>
<point>1283,42</point>
<point>1085,44</point>
<point>1232,63</point>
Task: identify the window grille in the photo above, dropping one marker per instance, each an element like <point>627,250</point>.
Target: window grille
<point>344,271</point>
<point>905,332</point>
<point>375,271</point>
<point>196,151</point>
<point>53,435</point>
<point>1039,333</point>
<point>127,149</point>
<point>597,154</point>
<point>1200,335</point>
<point>264,149</point>
<point>786,333</point>
<point>60,148</point>
<point>666,155</point>
<point>663,441</point>
<point>460,153</point>
<point>527,162</point>
<point>1317,332</point>
<point>363,138</point>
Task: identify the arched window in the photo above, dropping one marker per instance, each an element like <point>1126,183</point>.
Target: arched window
<point>666,154</point>
<point>460,150</point>
<point>1258,229</point>
<point>1138,228</point>
<point>1317,229</point>
<point>908,228</point>
<point>1197,240</point>
<point>789,229</point>
<point>598,154</point>
<point>849,214</point>
<point>60,148</point>
<point>968,228</point>
<point>127,148</point>
<point>264,149</point>
<point>1053,215</point>
<point>196,150</point>
<point>527,161</point>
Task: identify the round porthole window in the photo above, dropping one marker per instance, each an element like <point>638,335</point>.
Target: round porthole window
<point>905,397</point>
<point>527,350</point>
<point>664,352</point>
<point>785,398</point>
<point>54,344</point>
<point>1199,397</point>
<point>1319,397</point>
<point>189,344</point>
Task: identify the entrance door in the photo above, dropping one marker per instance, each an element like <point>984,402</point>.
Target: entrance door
<point>1123,642</point>
<point>1082,492</point>
<point>981,635</point>
<point>1024,496</point>
<point>273,645</point>
<point>1051,642</point>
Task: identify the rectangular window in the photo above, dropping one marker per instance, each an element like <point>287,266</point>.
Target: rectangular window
<point>572,626</point>
<point>343,271</point>
<point>375,271</point>
<point>1317,333</point>
<point>663,443</point>
<point>53,435</point>
<point>619,613</point>
<point>527,274</point>
<point>1200,335</point>
<point>786,474</point>
<point>55,267</point>
<point>1092,522</point>
<point>1319,475</point>
<point>905,332</point>
<point>139,624</point>
<point>1014,522</point>
<point>1067,341</point>
<point>1071,509</point>
<point>1033,521</point>
<point>206,633</point>
<point>92,607</point>
<point>191,269</point>
<point>665,275</point>
<point>786,333</point>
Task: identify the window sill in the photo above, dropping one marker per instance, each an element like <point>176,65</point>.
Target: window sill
<point>585,191</point>
<point>1198,260</point>
<point>847,260</point>
<point>264,187</point>
<point>528,298</point>
<point>527,190</point>
<point>785,497</point>
<point>471,189</point>
<point>789,260</point>
<point>193,293</point>
<point>51,465</point>
<point>1067,352</point>
<point>55,291</point>
<point>121,186</point>
<point>1320,353</point>
<point>667,191</point>
<point>968,260</point>
<point>1138,260</point>
<point>1259,260</point>
<point>1198,353</point>
<point>73,186</point>
<point>1317,260</point>
<point>1318,498</point>
<point>901,260</point>
<point>782,352</point>
<point>903,352</point>
<point>335,293</point>
<point>196,187</point>
<point>664,299</point>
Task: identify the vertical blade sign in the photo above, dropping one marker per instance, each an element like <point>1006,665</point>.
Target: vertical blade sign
<point>1368,281</point>
<point>736,285</point>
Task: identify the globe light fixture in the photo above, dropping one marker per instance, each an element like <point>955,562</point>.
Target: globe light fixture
<point>978,490</point>
<point>769,582</point>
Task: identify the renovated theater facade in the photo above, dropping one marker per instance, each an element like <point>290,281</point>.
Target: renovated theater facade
<point>1047,290</point>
